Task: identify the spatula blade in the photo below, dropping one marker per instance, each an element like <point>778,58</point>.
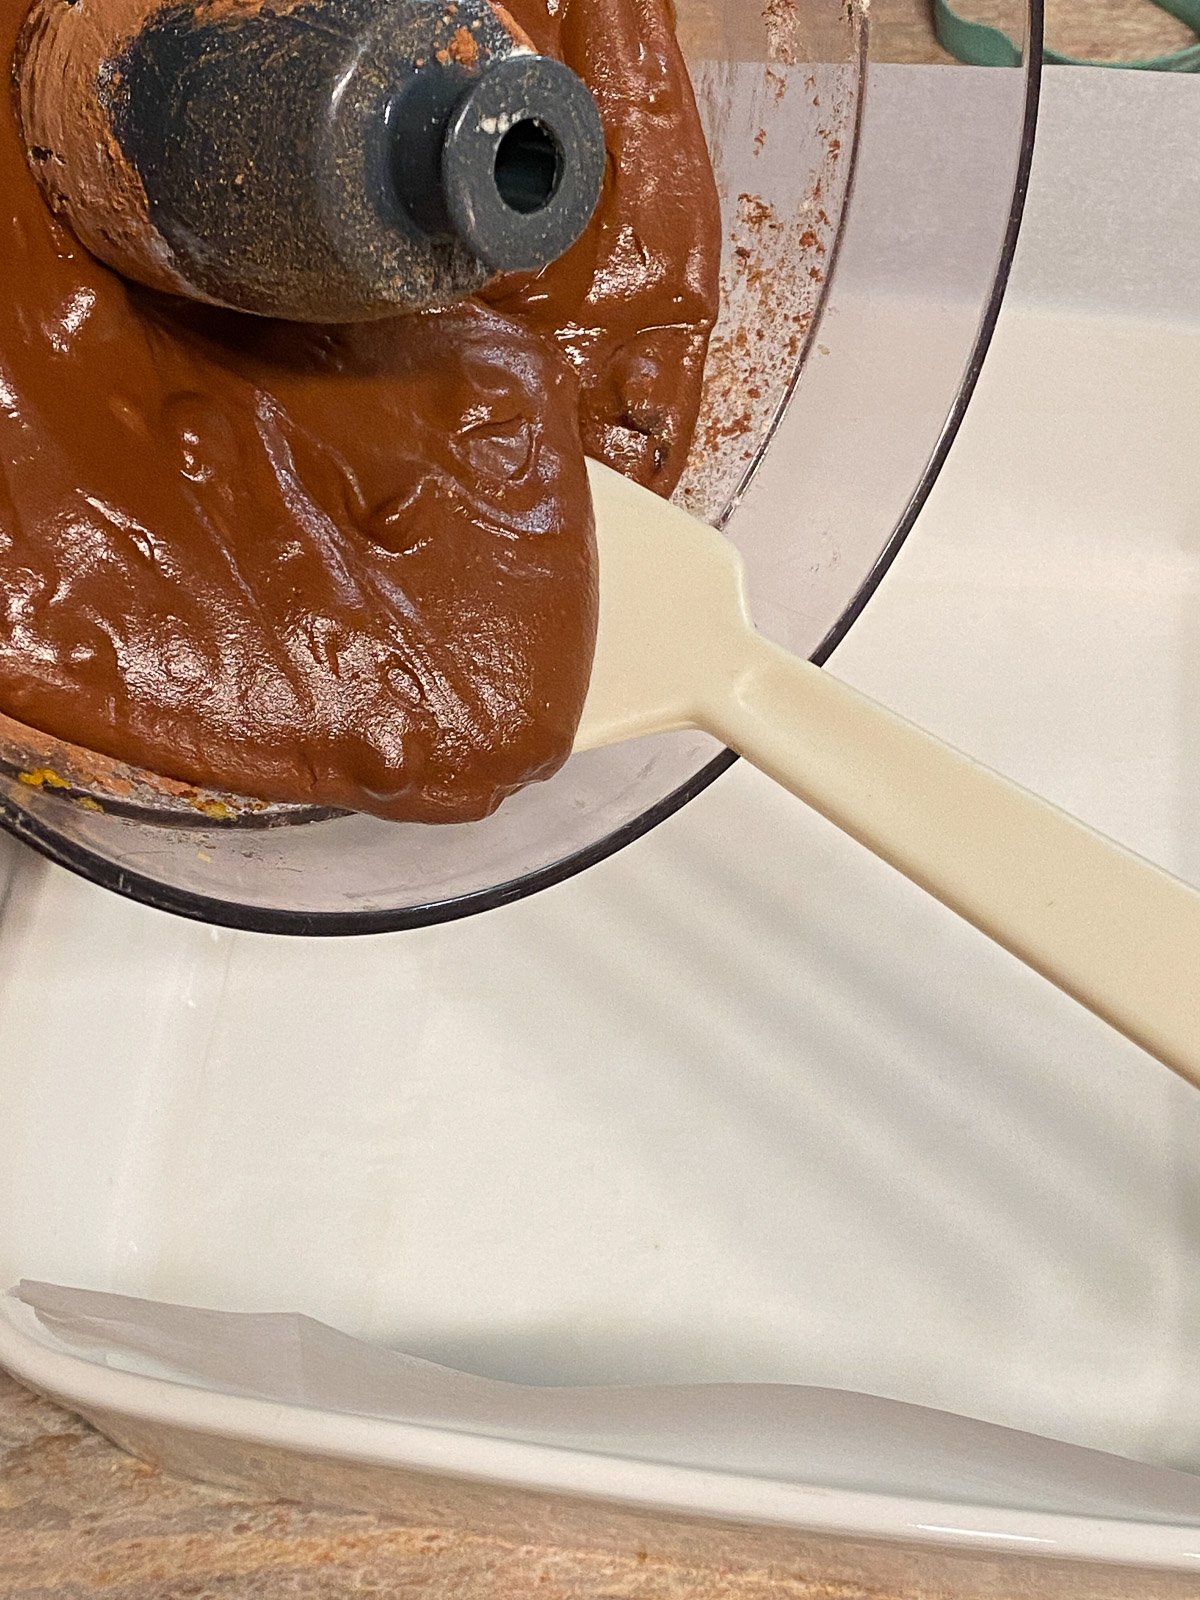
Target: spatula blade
<point>672,610</point>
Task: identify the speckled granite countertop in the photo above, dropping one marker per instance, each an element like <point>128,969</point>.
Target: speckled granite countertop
<point>79,1520</point>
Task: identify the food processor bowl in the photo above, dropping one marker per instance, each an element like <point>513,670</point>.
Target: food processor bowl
<point>851,264</point>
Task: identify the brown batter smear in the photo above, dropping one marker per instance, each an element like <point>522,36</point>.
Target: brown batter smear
<point>354,566</point>
<point>463,48</point>
<point>66,118</point>
<point>634,302</point>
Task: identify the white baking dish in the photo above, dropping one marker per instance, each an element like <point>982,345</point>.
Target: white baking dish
<point>737,1106</point>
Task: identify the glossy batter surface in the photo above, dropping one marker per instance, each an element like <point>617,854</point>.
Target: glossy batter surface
<point>350,566</point>
<point>634,302</point>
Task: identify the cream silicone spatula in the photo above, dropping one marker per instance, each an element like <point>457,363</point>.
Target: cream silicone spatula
<point>677,649</point>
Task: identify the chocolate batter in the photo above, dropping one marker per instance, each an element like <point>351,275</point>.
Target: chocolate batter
<point>635,300</point>
<point>346,566</point>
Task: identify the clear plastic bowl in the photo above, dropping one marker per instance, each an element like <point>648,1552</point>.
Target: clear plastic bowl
<point>850,262</point>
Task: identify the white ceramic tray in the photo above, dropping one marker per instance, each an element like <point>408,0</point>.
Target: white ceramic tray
<point>736,1106</point>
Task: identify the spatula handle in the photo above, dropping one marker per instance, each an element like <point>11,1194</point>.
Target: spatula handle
<point>1116,933</point>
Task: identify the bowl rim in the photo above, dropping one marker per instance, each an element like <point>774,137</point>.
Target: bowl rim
<point>241,917</point>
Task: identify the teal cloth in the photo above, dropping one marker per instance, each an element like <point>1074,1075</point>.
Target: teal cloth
<point>979,45</point>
